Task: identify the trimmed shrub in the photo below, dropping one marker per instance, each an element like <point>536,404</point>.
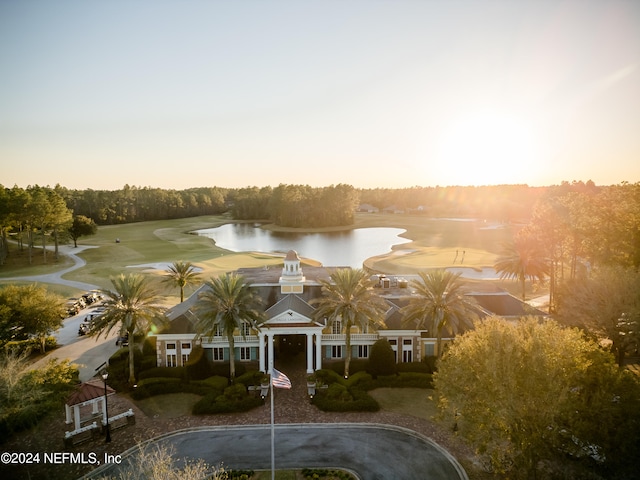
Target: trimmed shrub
<point>119,368</point>
<point>417,367</point>
<point>163,372</point>
<point>431,362</point>
<point>356,365</point>
<point>155,380</point>
<point>250,377</point>
<point>402,380</point>
<point>235,399</point>
<point>149,346</point>
<point>198,366</point>
<point>321,473</point>
<point>173,385</point>
<point>222,369</point>
<point>215,382</point>
<point>327,376</point>
<point>338,393</point>
<point>122,354</point>
<point>356,379</point>
<point>382,360</point>
<point>147,362</point>
<point>361,401</point>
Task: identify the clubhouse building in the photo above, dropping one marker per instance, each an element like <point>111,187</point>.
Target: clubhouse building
<point>292,327</point>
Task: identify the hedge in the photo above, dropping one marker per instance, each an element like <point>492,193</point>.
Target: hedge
<point>155,380</point>
<point>169,385</point>
<point>235,399</point>
<point>362,402</point>
<point>163,372</point>
<point>402,380</point>
<point>356,365</point>
<point>250,377</point>
<point>216,382</point>
<point>416,367</point>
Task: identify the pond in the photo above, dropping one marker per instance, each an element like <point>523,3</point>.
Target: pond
<point>349,248</point>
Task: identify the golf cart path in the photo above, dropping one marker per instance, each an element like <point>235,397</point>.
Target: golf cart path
<point>56,277</point>
<point>86,352</point>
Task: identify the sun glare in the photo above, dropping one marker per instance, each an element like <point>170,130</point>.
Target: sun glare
<point>486,148</point>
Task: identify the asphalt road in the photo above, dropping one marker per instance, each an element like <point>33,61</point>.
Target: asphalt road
<point>370,451</point>
<point>86,352</point>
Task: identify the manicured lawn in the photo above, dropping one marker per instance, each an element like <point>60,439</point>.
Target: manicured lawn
<point>417,402</point>
<point>171,405</point>
<point>17,263</point>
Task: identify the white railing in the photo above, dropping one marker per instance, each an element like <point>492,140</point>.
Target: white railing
<point>80,430</point>
<point>236,339</point>
<point>355,337</point>
<point>128,413</point>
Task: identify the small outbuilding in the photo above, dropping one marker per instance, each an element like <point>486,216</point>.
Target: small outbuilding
<point>86,407</point>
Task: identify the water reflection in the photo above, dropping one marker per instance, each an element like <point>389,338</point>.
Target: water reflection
<point>348,248</point>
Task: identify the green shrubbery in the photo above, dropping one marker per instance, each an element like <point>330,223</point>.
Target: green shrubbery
<point>30,345</point>
<point>234,399</point>
<point>163,372</point>
<point>251,377</point>
<point>348,395</point>
<point>416,367</point>
<point>217,396</point>
<point>27,396</point>
<point>356,365</point>
<point>162,386</point>
<point>321,473</point>
<point>216,382</point>
<point>382,360</point>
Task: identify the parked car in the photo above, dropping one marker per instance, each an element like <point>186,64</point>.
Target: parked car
<point>84,328</point>
<point>123,341</point>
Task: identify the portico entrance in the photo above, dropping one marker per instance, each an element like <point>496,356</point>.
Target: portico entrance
<point>289,345</point>
<point>291,340</point>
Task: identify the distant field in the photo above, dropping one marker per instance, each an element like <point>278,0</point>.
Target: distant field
<point>434,244</point>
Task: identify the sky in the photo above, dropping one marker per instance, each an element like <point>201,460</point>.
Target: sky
<point>376,93</point>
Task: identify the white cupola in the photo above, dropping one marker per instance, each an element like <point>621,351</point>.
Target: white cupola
<point>292,279</point>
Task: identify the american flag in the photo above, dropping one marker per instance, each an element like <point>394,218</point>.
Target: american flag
<point>279,379</point>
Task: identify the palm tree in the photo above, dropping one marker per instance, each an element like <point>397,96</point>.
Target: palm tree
<point>181,274</point>
<point>523,259</point>
<point>226,306</point>
<point>348,298</point>
<point>131,307</point>
<point>438,304</point>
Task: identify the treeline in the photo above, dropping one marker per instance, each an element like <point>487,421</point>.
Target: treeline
<point>141,204</point>
<point>297,205</point>
<point>577,229</point>
<point>303,205</point>
<point>27,214</point>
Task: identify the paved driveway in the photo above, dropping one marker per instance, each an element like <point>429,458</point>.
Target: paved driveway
<point>371,451</point>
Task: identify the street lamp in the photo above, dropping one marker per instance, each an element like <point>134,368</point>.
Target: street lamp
<point>105,375</point>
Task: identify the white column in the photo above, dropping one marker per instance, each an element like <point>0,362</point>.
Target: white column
<point>261,353</point>
<point>76,415</point>
<point>67,414</point>
<point>309,352</point>
<point>318,351</point>
<point>270,351</point>
<point>94,408</point>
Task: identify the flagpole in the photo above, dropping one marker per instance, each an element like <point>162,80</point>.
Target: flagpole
<point>273,446</point>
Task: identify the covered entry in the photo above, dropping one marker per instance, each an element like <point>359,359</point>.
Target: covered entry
<point>293,340</point>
